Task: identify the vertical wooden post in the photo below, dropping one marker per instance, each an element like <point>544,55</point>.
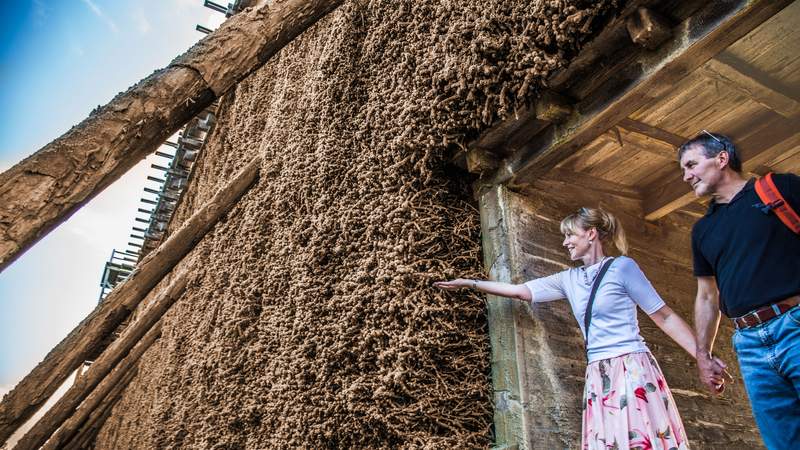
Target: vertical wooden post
<point>509,414</point>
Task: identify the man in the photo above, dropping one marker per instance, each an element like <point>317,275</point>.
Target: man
<point>747,264</point>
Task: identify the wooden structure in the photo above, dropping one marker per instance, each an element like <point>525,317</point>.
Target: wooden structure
<point>46,188</point>
<point>604,134</point>
<point>656,76</point>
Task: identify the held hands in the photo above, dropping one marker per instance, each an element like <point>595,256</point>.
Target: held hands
<point>713,372</point>
<point>455,284</point>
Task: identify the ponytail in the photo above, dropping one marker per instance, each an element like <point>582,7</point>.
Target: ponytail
<point>608,227</point>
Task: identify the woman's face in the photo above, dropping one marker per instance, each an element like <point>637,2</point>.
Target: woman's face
<point>577,242</point>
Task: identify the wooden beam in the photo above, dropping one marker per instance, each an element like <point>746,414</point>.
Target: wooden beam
<point>652,132</point>
<point>552,107</point>
<point>641,77</point>
<point>480,160</point>
<point>497,137</point>
<point>101,378</point>
<point>746,83</point>
<point>560,178</point>
<point>648,28</point>
<point>46,188</point>
<point>612,37</point>
<point>756,150</point>
<point>19,404</point>
<point>95,422</point>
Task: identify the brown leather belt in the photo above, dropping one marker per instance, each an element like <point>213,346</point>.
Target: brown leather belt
<point>766,313</point>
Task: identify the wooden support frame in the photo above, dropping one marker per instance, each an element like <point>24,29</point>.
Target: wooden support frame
<point>31,393</point>
<point>98,417</point>
<point>647,28</point>
<point>46,188</point>
<point>510,418</point>
<point>642,76</point>
<point>108,381</point>
<point>749,85</point>
<point>652,132</point>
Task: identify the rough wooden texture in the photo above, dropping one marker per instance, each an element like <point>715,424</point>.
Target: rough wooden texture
<point>88,431</point>
<point>46,188</point>
<point>748,83</point>
<point>30,393</point>
<point>638,78</point>
<point>479,160</point>
<point>510,422</point>
<point>554,370</point>
<point>552,107</point>
<point>648,28</point>
<point>98,371</point>
<point>92,391</point>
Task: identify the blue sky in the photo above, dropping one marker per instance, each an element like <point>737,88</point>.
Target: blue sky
<point>59,59</point>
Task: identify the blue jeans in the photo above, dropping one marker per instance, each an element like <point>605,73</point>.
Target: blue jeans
<point>769,357</point>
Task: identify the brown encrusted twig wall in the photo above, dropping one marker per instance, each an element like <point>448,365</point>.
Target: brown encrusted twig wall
<point>313,323</point>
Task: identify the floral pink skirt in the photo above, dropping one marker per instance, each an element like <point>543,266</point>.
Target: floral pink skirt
<point>627,405</point>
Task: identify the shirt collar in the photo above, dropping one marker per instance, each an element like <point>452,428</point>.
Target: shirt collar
<point>713,205</point>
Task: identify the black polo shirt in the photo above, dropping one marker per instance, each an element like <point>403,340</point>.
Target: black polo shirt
<point>753,255</point>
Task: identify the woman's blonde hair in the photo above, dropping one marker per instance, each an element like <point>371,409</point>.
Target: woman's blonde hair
<point>607,226</point>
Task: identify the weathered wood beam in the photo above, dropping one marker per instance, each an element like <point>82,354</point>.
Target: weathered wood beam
<point>97,418</point>
<point>648,28</point>
<point>613,35</point>
<point>19,404</point>
<point>754,151</point>
<point>497,137</point>
<point>480,160</point>
<point>46,188</point>
<point>751,87</point>
<point>652,132</point>
<point>643,76</point>
<point>101,378</point>
<point>552,107</point>
<point>560,179</point>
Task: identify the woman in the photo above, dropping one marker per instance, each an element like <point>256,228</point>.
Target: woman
<point>627,403</point>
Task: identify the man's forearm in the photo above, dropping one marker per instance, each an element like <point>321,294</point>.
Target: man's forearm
<point>706,322</point>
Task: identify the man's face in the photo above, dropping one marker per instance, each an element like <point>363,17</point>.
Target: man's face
<point>700,172</point>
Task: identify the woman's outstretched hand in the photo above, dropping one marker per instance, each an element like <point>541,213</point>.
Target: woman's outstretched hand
<point>452,285</point>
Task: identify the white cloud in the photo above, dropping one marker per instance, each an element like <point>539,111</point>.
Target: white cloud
<point>185,3</point>
<point>214,20</point>
<point>140,20</point>
<point>99,13</point>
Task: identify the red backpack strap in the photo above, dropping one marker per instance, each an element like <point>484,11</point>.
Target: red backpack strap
<point>772,199</point>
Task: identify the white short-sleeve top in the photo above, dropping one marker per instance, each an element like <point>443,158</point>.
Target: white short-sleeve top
<point>614,326</point>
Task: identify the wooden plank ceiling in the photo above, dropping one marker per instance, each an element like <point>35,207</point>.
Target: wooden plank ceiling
<point>633,106</point>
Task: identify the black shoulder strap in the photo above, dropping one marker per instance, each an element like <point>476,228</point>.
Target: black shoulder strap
<point>587,317</point>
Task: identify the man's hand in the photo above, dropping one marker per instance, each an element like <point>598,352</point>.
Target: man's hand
<point>713,372</point>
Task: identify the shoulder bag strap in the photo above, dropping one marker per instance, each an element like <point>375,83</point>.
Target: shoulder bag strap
<point>587,316</point>
<point>769,194</point>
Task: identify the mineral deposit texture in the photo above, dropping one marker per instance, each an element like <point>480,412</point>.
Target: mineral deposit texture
<point>311,321</point>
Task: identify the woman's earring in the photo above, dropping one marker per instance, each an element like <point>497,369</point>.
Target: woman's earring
<point>590,241</point>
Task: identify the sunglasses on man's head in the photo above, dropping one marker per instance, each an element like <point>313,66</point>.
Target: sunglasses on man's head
<point>712,136</point>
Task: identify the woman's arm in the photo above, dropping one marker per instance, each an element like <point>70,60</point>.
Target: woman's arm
<point>676,328</point>
<point>518,291</point>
